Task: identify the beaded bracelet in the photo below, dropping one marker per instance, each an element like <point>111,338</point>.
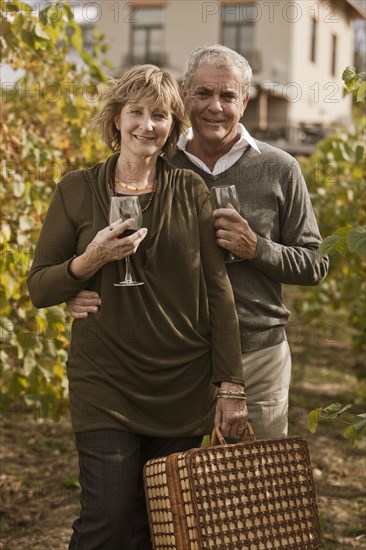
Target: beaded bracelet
<point>242,397</point>
<point>231,392</point>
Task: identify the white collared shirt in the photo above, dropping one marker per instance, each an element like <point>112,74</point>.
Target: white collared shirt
<point>225,161</point>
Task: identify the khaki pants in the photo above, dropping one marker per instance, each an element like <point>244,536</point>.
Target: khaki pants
<point>267,374</point>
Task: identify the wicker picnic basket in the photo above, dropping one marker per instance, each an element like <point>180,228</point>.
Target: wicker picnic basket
<point>252,495</point>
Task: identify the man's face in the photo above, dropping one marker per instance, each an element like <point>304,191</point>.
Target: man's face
<point>215,103</point>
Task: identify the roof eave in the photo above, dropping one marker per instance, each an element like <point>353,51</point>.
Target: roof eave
<point>359,10</point>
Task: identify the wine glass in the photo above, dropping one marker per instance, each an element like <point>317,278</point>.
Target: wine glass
<point>222,195</point>
<point>124,208</point>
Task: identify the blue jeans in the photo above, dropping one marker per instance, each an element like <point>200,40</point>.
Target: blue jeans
<point>113,510</point>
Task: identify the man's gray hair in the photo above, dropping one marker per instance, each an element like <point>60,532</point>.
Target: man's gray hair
<point>223,57</point>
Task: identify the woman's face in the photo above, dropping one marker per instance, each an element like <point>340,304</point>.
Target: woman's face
<point>144,129</point>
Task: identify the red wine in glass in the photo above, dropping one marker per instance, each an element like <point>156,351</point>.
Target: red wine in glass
<point>125,208</point>
<point>127,233</point>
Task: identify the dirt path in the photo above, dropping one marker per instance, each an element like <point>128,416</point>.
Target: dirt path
<point>39,492</point>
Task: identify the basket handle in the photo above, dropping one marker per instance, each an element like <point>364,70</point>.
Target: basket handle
<point>218,439</point>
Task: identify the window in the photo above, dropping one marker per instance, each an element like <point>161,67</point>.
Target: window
<point>147,36</point>
<point>238,30</point>
<point>333,66</point>
<point>314,28</point>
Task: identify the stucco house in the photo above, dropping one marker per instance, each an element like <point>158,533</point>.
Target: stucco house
<point>297,49</point>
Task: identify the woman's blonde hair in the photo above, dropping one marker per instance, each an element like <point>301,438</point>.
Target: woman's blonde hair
<point>146,83</point>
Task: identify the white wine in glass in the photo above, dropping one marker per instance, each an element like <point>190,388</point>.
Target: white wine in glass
<point>222,195</point>
<point>124,208</point>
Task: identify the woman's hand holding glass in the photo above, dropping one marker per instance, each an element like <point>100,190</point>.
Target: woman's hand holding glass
<point>126,208</point>
<point>107,247</point>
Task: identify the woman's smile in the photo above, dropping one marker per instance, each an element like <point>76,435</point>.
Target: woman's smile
<point>145,124</point>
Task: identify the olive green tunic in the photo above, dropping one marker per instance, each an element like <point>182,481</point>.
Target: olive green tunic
<point>149,360</point>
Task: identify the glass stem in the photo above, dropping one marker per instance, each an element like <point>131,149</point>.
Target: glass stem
<point>128,276</point>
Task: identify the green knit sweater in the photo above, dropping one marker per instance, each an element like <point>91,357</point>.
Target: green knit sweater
<point>275,202</point>
<point>149,360</point>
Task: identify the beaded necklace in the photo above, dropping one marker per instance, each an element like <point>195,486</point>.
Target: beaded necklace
<point>135,188</point>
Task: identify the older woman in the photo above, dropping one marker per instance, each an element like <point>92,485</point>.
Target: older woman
<point>144,371</point>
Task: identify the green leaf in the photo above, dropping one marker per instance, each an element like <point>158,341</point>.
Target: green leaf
<point>71,111</point>
<point>356,240</point>
<point>313,419</point>
<point>68,12</point>
<point>360,426</point>
<point>356,430</point>
<point>350,434</point>
<point>71,483</point>
<point>39,32</point>
<point>12,7</point>
<point>342,231</point>
<point>327,246</point>
<point>349,73</point>
<point>50,16</point>
<point>351,78</point>
<point>344,150</point>
<point>5,27</point>
<point>45,372</point>
<point>26,223</point>
<point>334,410</point>
<point>28,38</point>
<point>360,151</point>
<point>97,73</point>
<point>337,243</point>
<point>345,408</point>
<point>29,363</point>
<point>56,314</point>
<point>76,38</point>
<point>24,7</point>
<point>361,93</point>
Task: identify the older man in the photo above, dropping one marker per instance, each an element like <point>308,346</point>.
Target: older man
<point>275,234</point>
